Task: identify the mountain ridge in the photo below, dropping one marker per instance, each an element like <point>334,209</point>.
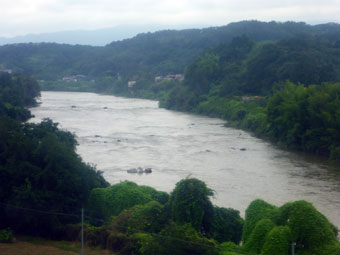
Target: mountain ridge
<point>95,37</point>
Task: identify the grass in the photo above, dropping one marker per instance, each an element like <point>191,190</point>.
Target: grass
<point>38,246</point>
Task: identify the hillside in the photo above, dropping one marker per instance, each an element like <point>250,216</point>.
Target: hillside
<point>248,59</point>
<point>145,55</point>
<point>287,90</point>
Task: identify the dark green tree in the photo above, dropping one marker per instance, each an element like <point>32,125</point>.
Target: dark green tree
<point>227,225</point>
<point>190,203</point>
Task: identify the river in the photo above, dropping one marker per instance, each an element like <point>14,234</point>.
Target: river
<point>117,134</point>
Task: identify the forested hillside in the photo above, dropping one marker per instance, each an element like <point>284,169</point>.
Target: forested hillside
<point>146,55</point>
<point>247,84</point>
<point>229,72</point>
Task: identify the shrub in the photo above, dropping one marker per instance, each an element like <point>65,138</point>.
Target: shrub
<point>259,236</point>
<point>278,242</point>
<point>299,222</point>
<point>96,236</point>
<point>310,229</point>
<point>107,202</point>
<point>227,225</point>
<point>190,203</point>
<point>230,248</point>
<point>117,241</point>
<point>184,239</point>
<point>145,217</point>
<point>257,210</point>
<point>6,236</point>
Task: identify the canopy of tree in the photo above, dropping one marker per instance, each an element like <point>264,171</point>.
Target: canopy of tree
<point>15,94</point>
<point>183,223</point>
<point>246,82</point>
<point>146,55</point>
<point>39,168</point>
<point>271,230</point>
<point>188,223</point>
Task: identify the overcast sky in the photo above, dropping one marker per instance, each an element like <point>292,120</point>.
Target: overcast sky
<point>20,17</point>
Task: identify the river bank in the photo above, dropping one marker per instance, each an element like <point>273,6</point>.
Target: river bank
<point>117,134</point>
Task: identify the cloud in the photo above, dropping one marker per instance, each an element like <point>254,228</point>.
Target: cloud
<point>29,16</point>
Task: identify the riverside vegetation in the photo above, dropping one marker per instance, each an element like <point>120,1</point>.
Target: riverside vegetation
<point>44,183</point>
<point>279,80</point>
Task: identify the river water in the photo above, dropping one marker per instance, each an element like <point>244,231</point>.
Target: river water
<point>117,134</point>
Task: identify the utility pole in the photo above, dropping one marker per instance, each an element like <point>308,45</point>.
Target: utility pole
<point>82,231</point>
<point>293,248</point>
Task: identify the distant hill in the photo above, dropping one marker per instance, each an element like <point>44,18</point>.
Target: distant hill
<point>147,54</point>
<point>98,37</point>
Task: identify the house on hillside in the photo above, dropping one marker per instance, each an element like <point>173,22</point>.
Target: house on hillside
<point>3,70</point>
<point>131,84</point>
<point>251,98</point>
<point>169,77</point>
<point>74,78</point>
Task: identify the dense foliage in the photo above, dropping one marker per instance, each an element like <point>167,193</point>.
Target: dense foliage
<point>306,118</point>
<point>44,183</point>
<point>111,201</point>
<point>152,227</point>
<point>246,83</point>
<point>190,203</point>
<point>242,67</point>
<point>272,230</point>
<point>145,221</point>
<point>39,169</point>
<point>226,225</point>
<point>17,92</point>
<point>146,55</point>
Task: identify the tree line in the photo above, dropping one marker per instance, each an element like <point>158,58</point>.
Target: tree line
<point>145,55</point>
<point>286,90</point>
<point>39,167</point>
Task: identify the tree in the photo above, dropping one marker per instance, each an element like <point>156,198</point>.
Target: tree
<point>226,225</point>
<point>104,203</point>
<point>190,203</point>
<point>271,230</point>
<point>42,173</point>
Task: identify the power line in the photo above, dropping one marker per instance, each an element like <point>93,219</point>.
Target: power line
<point>172,238</point>
<point>127,228</point>
<point>40,211</point>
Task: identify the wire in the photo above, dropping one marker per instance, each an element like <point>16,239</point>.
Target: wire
<point>172,238</point>
<point>127,228</point>
<point>40,211</point>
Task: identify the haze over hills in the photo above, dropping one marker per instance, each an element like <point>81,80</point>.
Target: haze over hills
<point>147,54</point>
<point>97,37</point>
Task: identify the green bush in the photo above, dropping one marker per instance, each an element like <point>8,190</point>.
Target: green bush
<point>146,217</point>
<point>226,225</point>
<point>190,203</point>
<point>107,202</point>
<point>230,248</point>
<point>276,228</point>
<point>257,210</point>
<point>259,235</point>
<point>184,239</point>
<point>6,236</point>
<point>278,242</point>
<point>96,236</point>
<point>147,244</point>
<point>117,241</point>
<point>310,229</point>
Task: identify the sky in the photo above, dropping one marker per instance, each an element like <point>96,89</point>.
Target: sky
<point>20,17</point>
